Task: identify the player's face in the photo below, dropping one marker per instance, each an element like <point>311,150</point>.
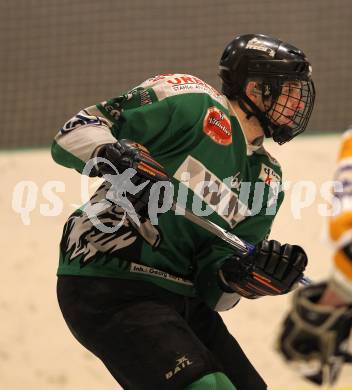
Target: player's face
<point>287,105</point>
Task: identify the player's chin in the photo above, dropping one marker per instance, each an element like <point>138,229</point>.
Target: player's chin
<point>289,122</point>
<point>285,121</point>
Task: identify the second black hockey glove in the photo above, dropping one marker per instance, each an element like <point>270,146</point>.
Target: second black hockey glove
<point>314,337</point>
<point>126,154</point>
<point>273,269</point>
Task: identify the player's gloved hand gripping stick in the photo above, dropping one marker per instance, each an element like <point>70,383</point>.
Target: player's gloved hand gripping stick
<point>126,154</point>
<point>265,269</point>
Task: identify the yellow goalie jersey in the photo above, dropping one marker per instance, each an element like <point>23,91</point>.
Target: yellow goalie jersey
<point>341,222</point>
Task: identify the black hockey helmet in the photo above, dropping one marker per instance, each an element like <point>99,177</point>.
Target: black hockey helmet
<point>279,68</point>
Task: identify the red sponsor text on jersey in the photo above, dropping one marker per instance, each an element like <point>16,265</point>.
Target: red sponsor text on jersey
<point>192,80</point>
<point>185,80</point>
<point>217,126</point>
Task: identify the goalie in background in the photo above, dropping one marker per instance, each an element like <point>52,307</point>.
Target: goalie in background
<point>315,333</point>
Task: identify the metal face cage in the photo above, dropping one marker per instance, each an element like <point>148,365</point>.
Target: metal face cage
<point>290,111</point>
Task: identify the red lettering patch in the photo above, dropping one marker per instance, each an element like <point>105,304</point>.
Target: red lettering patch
<point>217,126</point>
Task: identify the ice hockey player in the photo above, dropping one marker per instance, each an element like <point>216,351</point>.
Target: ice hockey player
<point>144,297</point>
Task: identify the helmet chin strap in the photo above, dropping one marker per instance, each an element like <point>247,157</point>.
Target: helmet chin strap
<point>261,117</point>
<point>279,133</point>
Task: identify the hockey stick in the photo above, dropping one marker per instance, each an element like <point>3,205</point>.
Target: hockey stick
<point>242,246</point>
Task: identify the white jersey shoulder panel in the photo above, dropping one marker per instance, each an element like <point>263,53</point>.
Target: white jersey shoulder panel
<point>177,84</point>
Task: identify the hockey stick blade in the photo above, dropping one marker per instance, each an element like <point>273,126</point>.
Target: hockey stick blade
<point>240,245</point>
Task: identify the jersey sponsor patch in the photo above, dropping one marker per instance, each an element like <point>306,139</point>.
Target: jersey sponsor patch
<point>144,269</point>
<point>167,85</point>
<point>269,176</point>
<point>217,126</point>
<point>180,82</point>
<point>212,191</point>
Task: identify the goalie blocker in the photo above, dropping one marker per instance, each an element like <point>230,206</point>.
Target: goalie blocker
<point>315,337</point>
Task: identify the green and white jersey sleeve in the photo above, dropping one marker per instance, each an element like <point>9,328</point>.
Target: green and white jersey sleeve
<point>80,136</point>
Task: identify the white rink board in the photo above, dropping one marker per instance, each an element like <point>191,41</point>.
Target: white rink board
<point>36,349</point>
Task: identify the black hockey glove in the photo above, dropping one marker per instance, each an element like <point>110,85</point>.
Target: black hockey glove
<point>314,337</point>
<point>273,269</point>
<point>126,154</point>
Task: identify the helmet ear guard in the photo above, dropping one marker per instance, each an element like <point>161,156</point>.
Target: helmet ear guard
<point>274,65</point>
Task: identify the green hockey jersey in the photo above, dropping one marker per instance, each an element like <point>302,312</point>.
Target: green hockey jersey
<point>190,129</point>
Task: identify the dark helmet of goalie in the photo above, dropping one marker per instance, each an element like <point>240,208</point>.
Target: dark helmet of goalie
<point>272,64</point>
